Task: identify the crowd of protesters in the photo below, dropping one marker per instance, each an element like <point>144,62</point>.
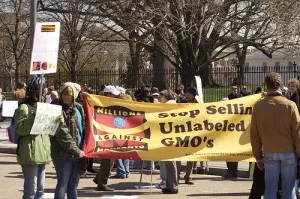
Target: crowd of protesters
<point>64,149</point>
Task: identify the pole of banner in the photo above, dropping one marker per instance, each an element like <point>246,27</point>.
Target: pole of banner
<point>152,163</point>
<point>33,8</point>
<point>141,176</point>
<point>41,89</point>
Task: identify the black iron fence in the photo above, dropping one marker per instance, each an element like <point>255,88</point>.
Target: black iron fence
<point>223,78</point>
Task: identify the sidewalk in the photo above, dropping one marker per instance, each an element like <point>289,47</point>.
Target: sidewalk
<point>205,187</point>
<point>215,168</point>
<point>6,146</point>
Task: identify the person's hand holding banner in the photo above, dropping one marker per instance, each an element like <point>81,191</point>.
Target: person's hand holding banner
<point>82,154</point>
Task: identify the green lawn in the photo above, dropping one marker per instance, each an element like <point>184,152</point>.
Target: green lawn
<point>215,94</point>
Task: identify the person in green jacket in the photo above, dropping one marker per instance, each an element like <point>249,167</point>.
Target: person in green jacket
<point>33,151</point>
<point>66,145</point>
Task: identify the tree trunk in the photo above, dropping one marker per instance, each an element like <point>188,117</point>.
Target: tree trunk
<point>133,69</point>
<point>241,55</point>
<point>17,74</point>
<point>159,77</point>
<point>187,77</point>
<point>73,77</point>
<point>10,82</point>
<point>206,75</point>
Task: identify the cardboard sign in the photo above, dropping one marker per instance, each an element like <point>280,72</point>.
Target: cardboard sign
<point>8,108</point>
<point>45,121</point>
<point>45,48</point>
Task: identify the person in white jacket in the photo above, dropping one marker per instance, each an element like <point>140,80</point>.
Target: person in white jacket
<point>169,168</point>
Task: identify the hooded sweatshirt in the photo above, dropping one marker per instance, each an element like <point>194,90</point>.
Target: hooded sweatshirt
<point>67,142</point>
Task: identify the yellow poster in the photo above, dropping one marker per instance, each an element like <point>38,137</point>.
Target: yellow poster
<point>218,131</point>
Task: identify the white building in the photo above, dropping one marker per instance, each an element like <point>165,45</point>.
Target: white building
<point>257,65</point>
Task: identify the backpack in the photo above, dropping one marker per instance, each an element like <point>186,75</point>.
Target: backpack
<point>13,136</point>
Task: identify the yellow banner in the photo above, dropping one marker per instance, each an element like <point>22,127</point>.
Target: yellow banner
<point>218,131</point>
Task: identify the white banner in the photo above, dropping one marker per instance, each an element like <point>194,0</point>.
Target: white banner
<point>199,89</point>
<point>8,108</point>
<point>45,119</point>
<point>45,48</point>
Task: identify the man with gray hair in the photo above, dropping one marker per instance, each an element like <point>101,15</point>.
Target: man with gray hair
<point>275,138</point>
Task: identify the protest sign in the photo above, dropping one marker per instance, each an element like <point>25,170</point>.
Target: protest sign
<point>8,108</point>
<point>45,121</point>
<point>199,89</point>
<point>218,131</point>
<point>45,48</point>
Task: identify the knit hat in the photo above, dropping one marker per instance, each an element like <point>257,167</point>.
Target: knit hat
<point>34,86</point>
<point>74,86</point>
<point>192,91</point>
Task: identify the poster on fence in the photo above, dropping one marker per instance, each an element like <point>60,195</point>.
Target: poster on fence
<point>45,48</point>
<point>8,108</point>
<point>216,131</point>
<point>45,121</point>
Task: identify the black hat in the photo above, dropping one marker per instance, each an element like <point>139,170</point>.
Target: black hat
<point>192,91</point>
<point>34,86</point>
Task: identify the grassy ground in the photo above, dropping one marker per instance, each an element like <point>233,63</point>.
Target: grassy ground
<point>215,94</point>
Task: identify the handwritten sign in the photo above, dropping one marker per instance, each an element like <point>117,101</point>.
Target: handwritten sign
<point>45,119</point>
<point>8,108</point>
<point>45,48</point>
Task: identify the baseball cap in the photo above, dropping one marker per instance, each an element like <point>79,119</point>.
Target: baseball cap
<point>111,89</point>
<point>234,87</point>
<point>121,89</point>
<point>155,94</point>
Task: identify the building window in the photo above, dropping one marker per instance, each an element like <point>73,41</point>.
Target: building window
<point>265,67</point>
<point>277,67</point>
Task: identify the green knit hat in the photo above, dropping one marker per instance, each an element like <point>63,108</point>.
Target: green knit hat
<point>74,86</point>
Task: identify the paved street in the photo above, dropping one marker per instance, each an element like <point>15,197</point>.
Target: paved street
<point>206,186</point>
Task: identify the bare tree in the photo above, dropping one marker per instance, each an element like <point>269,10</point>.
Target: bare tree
<point>260,31</point>
<point>14,37</point>
<point>77,49</point>
<point>199,31</point>
<point>190,34</point>
<point>286,13</point>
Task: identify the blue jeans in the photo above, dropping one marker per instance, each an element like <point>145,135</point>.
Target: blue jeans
<point>149,165</point>
<point>34,180</point>
<point>122,167</point>
<point>162,171</point>
<point>283,164</point>
<point>67,174</point>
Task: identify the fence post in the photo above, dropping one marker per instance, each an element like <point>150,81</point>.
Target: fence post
<point>176,77</point>
<point>26,76</point>
<point>96,79</point>
<point>59,78</point>
<point>295,72</point>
